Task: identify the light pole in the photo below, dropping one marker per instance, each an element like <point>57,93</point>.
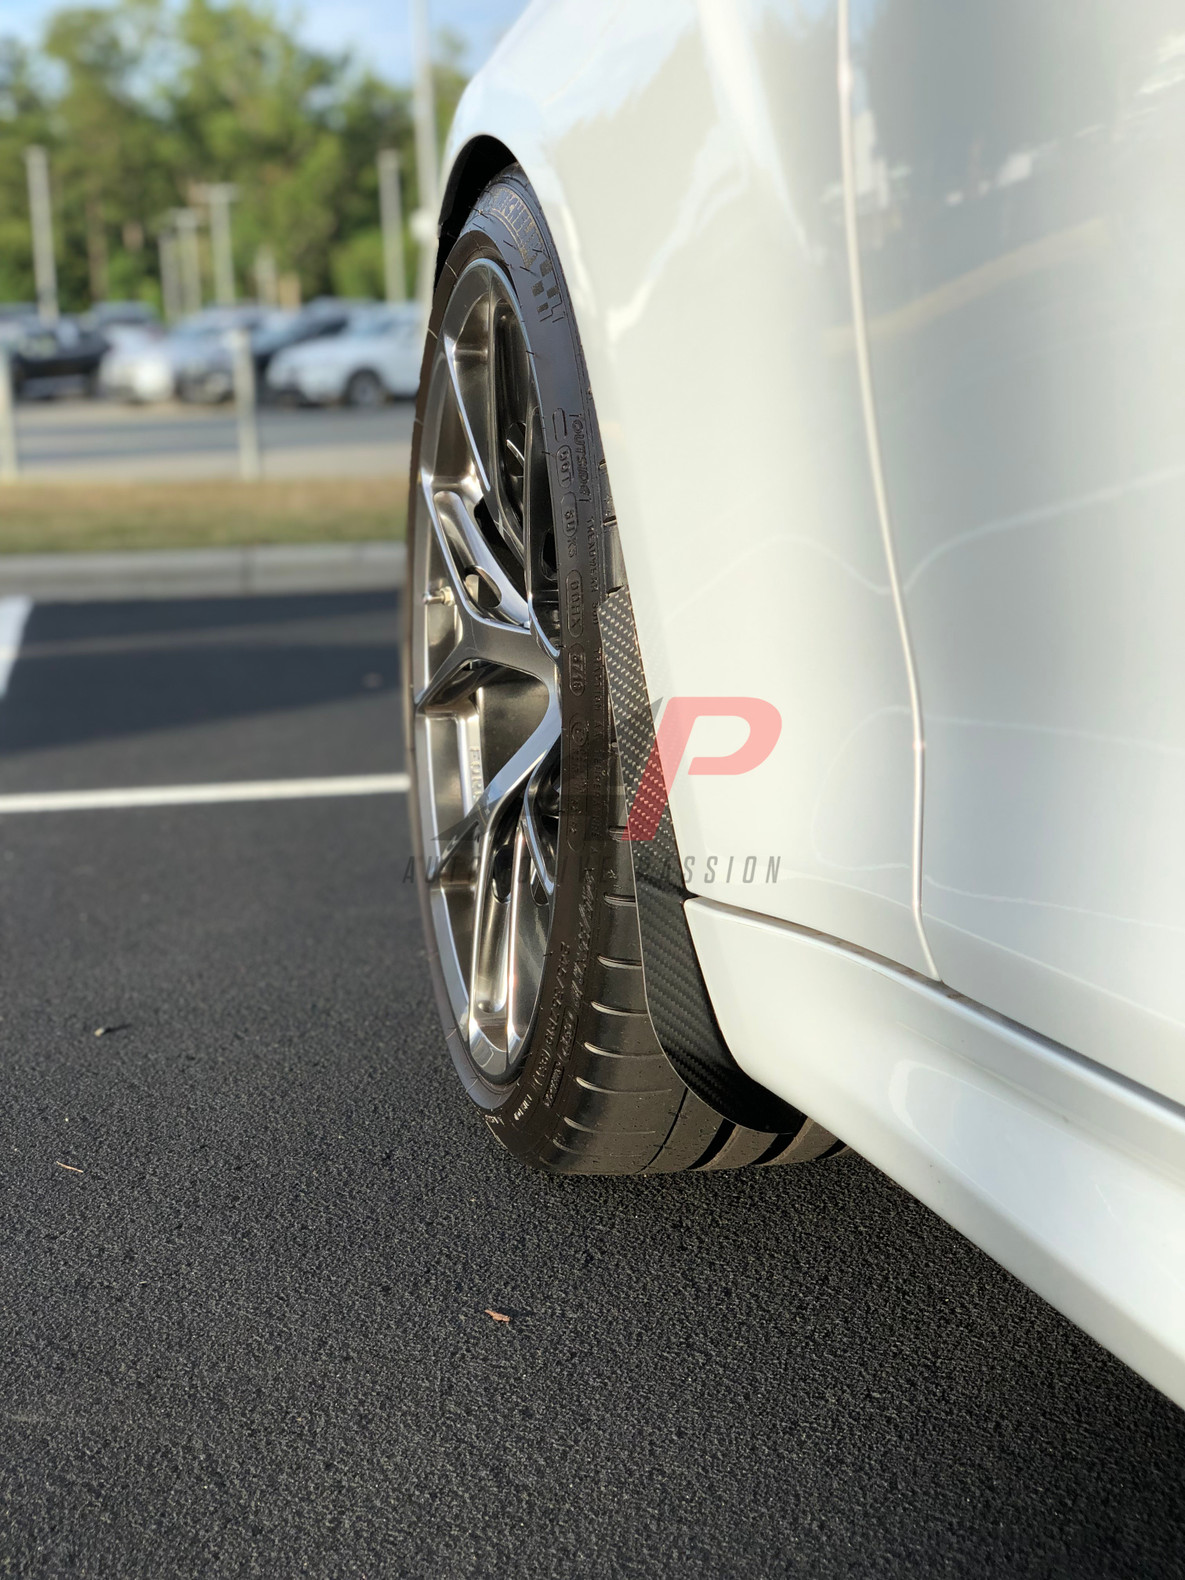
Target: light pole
<point>250,466</point>
<point>424,109</point>
<point>266,288</point>
<point>9,454</point>
<point>391,214</point>
<point>45,271</point>
<point>186,222</point>
<point>219,195</point>
<point>170,282</point>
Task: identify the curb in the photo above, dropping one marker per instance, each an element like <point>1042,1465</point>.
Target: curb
<point>205,573</point>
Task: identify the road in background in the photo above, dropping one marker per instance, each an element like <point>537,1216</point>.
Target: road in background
<point>249,1334</point>
<point>76,440</point>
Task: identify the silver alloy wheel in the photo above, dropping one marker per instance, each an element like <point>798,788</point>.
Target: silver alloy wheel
<point>485,678</point>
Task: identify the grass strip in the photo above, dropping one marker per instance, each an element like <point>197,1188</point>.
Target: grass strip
<point>49,518</point>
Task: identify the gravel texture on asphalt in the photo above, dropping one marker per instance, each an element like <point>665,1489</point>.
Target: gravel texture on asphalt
<point>249,1336</point>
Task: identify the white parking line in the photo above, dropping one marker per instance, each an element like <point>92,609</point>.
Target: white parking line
<point>14,613</point>
<point>204,795</point>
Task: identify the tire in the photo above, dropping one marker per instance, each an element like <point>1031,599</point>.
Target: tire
<point>548,1028</point>
<point>365,389</point>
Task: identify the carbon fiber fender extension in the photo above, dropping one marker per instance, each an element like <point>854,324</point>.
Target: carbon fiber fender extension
<point>676,997</point>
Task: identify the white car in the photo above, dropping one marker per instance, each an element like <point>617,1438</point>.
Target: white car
<point>378,356</point>
<point>148,366</point>
<point>796,708</point>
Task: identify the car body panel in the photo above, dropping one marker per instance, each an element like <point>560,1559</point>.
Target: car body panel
<point>1023,256</point>
<point>683,189</point>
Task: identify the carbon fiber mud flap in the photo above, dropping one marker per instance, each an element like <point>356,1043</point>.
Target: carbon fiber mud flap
<point>676,997</point>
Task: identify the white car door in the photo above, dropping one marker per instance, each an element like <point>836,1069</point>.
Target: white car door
<point>1021,196</point>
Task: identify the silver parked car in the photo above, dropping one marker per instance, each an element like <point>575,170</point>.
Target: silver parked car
<point>151,366</point>
<point>210,377</point>
<point>376,357</point>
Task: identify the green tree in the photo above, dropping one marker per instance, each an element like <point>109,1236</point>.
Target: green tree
<point>110,150</point>
<point>142,101</point>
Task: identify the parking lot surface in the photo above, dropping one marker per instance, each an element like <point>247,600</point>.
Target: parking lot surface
<point>67,440</point>
<point>251,1232</point>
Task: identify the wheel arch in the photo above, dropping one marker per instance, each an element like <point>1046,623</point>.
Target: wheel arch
<point>475,165</point>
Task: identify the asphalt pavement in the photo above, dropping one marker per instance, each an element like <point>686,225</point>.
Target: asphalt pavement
<point>250,1233</point>
<point>73,440</point>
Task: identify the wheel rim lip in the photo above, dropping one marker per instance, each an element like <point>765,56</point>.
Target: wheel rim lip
<point>494,1034</point>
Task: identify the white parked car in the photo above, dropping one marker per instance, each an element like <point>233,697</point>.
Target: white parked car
<point>796,705</point>
<point>150,366</point>
<point>376,357</point>
<point>209,378</point>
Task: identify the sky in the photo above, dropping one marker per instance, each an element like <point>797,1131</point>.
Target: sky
<point>378,31</point>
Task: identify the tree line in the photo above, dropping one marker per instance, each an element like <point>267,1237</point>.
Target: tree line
<point>141,102</point>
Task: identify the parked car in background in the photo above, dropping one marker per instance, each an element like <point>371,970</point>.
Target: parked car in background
<point>375,358</point>
<point>16,319</point>
<point>151,366</point>
<point>106,317</point>
<point>210,378</point>
<point>56,359</point>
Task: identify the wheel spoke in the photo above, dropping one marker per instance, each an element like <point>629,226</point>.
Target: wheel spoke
<point>497,501</point>
<point>491,805</point>
<point>529,923</point>
<point>512,776</point>
<point>509,408</point>
<point>482,370</point>
<point>470,385</point>
<point>488,967</point>
<point>513,943</point>
<point>483,645</point>
<point>539,844</point>
<point>450,840</point>
<point>452,506</point>
<point>482,642</point>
